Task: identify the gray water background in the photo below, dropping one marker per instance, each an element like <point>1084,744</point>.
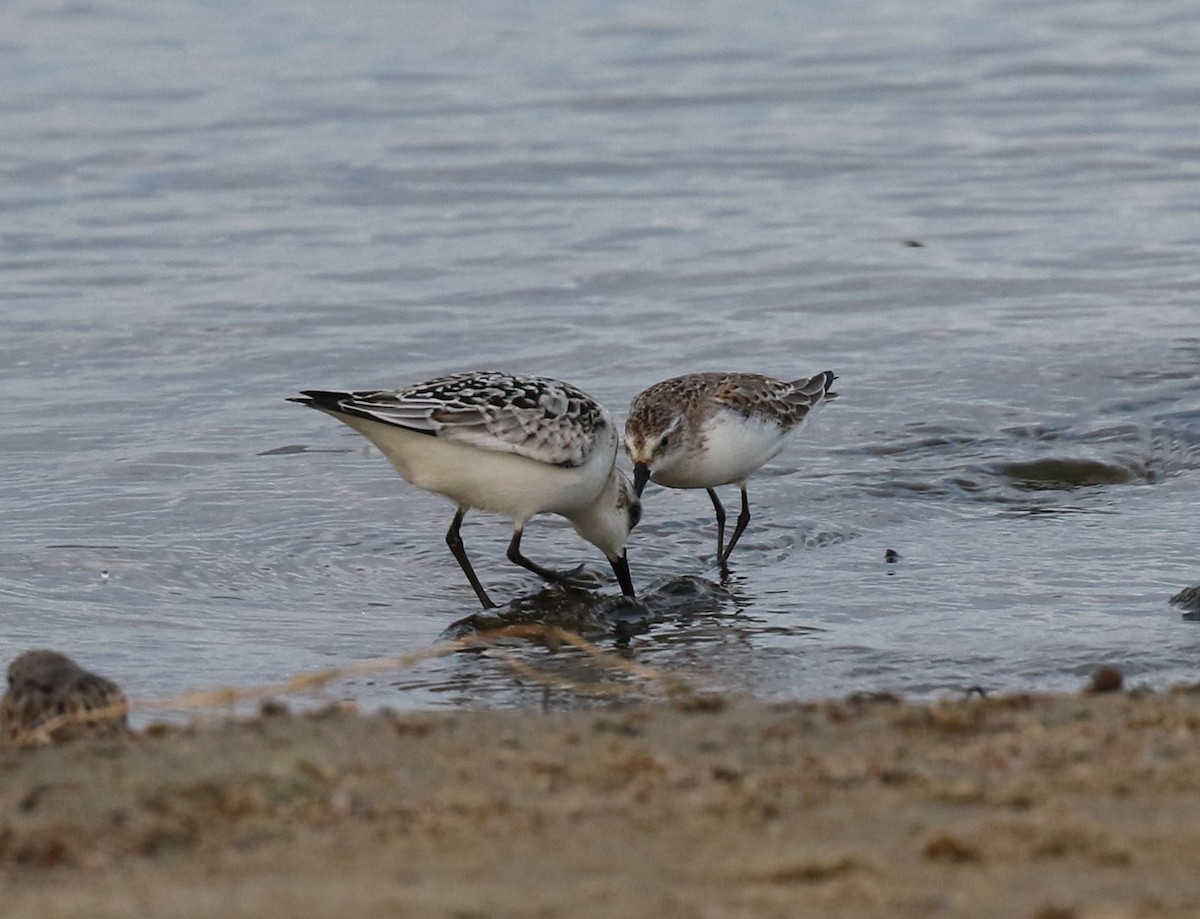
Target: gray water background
<point>207,206</point>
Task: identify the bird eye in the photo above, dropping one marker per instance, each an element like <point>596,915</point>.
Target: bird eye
<point>635,515</point>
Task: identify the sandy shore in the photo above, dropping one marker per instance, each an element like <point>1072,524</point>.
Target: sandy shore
<point>1058,807</point>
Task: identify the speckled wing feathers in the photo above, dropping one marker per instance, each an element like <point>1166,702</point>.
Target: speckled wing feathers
<point>787,403</point>
<point>541,419</point>
<point>749,394</point>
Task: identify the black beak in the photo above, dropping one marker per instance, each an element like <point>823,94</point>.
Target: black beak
<point>620,568</point>
<point>641,475</point>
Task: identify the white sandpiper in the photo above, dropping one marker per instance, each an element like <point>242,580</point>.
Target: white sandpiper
<point>514,445</point>
<point>702,430</point>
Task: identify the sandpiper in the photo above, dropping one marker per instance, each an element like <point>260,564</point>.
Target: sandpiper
<point>514,445</point>
<point>702,430</point>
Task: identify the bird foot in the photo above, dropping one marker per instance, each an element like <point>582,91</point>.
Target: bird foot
<point>578,577</point>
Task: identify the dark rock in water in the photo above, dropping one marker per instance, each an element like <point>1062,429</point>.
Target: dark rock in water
<point>891,556</point>
<point>50,698</point>
<point>1189,599</point>
<point>689,595</point>
<point>689,588</point>
<point>587,614</point>
<point>591,615</point>
<point>1065,472</point>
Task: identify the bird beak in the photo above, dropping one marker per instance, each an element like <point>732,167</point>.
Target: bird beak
<point>620,567</point>
<point>641,475</point>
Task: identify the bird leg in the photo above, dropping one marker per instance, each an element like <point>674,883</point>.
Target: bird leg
<point>742,520</point>
<point>570,578</point>
<point>454,541</point>
<point>720,509</point>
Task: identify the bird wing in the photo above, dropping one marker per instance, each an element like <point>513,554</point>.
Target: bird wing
<point>541,419</point>
<point>752,394</point>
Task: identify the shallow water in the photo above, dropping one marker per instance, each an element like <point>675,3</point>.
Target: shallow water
<point>983,218</point>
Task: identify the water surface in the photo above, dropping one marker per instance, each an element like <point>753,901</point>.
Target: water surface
<point>982,217</point>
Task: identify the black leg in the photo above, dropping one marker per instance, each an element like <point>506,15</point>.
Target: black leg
<point>568,579</point>
<point>720,509</point>
<point>743,519</point>
<point>454,541</point>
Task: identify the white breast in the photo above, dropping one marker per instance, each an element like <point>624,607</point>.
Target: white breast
<point>500,482</point>
<point>734,446</point>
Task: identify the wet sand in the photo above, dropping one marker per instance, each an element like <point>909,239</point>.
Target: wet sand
<point>1049,807</point>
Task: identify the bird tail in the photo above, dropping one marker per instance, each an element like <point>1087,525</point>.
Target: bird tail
<point>325,399</point>
<point>817,386</point>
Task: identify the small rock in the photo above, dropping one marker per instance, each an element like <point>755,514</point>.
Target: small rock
<point>50,698</point>
<point>946,846</point>
<point>273,708</point>
<point>1106,679</point>
<point>1189,600</point>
